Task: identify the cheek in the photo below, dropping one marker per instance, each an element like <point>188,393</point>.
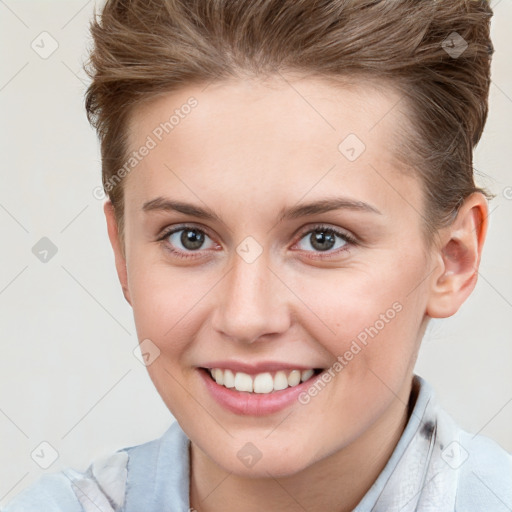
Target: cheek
<point>166,302</point>
<point>370,317</point>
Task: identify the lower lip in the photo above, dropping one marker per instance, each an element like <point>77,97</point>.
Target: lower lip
<point>254,404</point>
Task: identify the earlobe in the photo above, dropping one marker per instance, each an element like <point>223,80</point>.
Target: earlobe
<point>115,241</point>
<point>457,258</point>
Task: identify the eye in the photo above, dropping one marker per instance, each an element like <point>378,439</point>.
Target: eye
<point>326,239</point>
<point>184,241</point>
<point>187,239</point>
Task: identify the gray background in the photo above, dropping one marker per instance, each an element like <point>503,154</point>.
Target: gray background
<point>69,375</point>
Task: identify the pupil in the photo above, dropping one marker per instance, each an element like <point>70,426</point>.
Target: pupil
<point>319,238</point>
<point>192,239</point>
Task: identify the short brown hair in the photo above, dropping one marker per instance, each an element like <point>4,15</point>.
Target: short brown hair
<point>143,48</point>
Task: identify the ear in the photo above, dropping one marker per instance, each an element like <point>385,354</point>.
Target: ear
<point>113,234</point>
<point>458,257</point>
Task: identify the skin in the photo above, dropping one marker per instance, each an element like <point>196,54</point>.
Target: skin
<point>248,150</point>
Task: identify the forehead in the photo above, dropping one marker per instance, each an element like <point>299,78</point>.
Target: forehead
<point>262,134</point>
<point>308,108</point>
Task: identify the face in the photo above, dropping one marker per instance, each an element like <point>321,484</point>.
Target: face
<point>337,286</point>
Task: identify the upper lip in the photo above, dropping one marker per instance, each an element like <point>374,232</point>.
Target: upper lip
<point>256,367</point>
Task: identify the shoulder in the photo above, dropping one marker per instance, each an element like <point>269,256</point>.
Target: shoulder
<point>485,475</point>
<point>52,490</point>
<point>101,488</point>
<point>465,472</point>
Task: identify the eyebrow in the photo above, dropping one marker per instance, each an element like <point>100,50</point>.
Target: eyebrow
<point>300,210</point>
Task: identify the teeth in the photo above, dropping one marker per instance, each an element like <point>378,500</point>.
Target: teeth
<point>229,378</point>
<point>243,382</point>
<point>262,382</point>
<point>294,378</point>
<point>306,374</point>
<point>218,375</point>
<point>280,381</point>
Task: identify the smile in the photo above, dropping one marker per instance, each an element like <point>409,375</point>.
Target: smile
<point>264,383</point>
<point>257,394</point>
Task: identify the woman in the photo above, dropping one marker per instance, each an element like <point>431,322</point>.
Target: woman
<point>290,201</point>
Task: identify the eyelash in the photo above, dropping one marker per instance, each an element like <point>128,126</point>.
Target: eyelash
<point>349,239</point>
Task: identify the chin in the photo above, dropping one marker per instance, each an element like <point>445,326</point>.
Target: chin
<point>264,467</point>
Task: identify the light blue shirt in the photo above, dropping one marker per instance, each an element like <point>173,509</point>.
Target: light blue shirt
<point>436,466</point>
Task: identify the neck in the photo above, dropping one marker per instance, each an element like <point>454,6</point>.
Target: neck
<point>337,482</point>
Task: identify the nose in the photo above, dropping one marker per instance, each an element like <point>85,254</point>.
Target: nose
<point>251,302</point>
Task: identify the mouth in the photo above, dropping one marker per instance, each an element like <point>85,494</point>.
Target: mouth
<point>261,383</point>
<point>258,394</point>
